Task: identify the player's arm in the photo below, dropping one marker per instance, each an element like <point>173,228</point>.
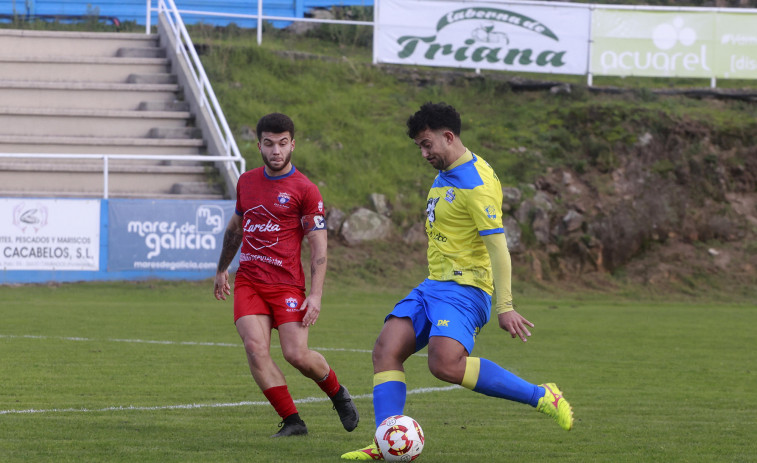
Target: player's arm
<point>509,320</point>
<point>232,239</point>
<point>318,241</point>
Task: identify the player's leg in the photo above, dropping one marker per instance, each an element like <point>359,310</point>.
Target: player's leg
<point>394,345</point>
<point>461,312</point>
<point>405,332</point>
<point>255,331</point>
<point>488,378</point>
<point>448,360</point>
<point>294,345</point>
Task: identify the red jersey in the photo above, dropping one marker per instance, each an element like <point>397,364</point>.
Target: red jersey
<point>273,211</point>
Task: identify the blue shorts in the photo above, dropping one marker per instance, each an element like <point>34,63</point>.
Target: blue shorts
<point>445,308</point>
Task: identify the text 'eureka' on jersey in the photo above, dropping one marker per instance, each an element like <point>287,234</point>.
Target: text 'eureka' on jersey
<point>272,210</point>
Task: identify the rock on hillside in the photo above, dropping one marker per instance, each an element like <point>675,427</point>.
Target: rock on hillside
<point>657,213</point>
<point>669,206</point>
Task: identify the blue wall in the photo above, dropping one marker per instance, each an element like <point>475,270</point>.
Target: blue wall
<point>134,10</point>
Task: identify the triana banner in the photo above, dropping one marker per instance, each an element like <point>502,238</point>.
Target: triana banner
<point>49,234</point>
<point>483,35</point>
<point>162,235</point>
<point>674,44</point>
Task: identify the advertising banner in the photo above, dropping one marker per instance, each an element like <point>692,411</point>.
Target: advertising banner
<point>49,234</point>
<point>166,235</point>
<point>653,43</point>
<point>737,46</point>
<point>483,35</point>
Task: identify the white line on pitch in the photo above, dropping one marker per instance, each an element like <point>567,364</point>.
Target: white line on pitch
<point>180,343</point>
<point>423,390</point>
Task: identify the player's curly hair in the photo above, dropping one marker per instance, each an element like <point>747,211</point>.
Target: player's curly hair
<point>434,116</point>
<point>275,123</point>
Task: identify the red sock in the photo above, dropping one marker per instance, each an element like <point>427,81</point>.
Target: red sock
<point>330,385</point>
<point>281,400</point>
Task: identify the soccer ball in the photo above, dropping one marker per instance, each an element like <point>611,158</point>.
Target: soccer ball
<point>399,438</point>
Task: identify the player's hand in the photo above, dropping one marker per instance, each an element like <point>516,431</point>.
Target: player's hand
<point>221,287</point>
<point>515,324</point>
<point>312,305</point>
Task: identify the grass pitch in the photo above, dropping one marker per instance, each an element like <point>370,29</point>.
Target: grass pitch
<point>154,372</point>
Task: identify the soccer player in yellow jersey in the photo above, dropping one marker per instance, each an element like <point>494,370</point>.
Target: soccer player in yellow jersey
<point>468,261</point>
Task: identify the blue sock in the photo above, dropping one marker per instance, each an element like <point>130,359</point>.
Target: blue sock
<point>389,392</point>
<point>493,380</point>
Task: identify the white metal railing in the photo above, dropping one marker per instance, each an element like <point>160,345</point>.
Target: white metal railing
<point>260,17</point>
<point>107,157</point>
<point>186,50</point>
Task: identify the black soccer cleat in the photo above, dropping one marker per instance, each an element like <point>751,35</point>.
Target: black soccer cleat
<point>297,428</point>
<point>346,409</point>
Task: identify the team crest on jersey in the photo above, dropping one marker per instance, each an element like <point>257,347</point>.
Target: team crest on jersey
<point>450,196</point>
<point>491,212</point>
<point>431,210</point>
<point>283,198</point>
<point>320,206</point>
<point>291,303</point>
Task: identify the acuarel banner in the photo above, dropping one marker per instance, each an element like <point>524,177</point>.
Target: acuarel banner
<point>674,44</point>
<point>653,43</point>
<point>483,35</point>
<point>49,234</point>
<point>166,235</point>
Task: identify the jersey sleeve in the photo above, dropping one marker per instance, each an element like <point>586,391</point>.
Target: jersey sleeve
<point>485,207</point>
<point>312,211</point>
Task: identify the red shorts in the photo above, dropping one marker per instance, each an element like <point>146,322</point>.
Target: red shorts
<point>282,303</point>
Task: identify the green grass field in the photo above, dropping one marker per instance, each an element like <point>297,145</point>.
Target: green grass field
<point>154,372</point>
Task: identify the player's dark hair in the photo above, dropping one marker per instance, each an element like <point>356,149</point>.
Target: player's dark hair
<point>275,123</point>
<point>434,116</point>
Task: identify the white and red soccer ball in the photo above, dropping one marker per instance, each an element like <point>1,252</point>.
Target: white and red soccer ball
<point>399,438</point>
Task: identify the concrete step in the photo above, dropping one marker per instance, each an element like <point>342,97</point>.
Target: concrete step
<point>174,133</point>
<point>34,43</point>
<point>81,95</point>
<point>92,182</point>
<point>153,78</point>
<point>88,122</point>
<point>96,165</point>
<point>197,188</point>
<point>163,106</point>
<point>82,69</point>
<point>141,52</point>
<point>4,193</point>
<point>99,145</point>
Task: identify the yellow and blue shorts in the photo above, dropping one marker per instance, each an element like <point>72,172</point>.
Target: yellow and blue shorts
<point>445,308</point>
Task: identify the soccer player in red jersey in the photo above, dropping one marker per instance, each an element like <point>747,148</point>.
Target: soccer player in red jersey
<point>276,207</point>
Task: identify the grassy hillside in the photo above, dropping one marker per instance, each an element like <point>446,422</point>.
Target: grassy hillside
<point>351,140</point>
<point>350,116</point>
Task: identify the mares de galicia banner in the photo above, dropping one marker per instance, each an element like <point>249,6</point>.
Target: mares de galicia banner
<point>486,35</point>
<point>166,235</point>
<point>49,234</point>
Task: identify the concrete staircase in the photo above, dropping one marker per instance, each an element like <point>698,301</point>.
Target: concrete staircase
<point>84,93</point>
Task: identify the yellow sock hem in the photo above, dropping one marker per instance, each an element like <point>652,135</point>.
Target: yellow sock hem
<point>472,370</point>
<point>389,375</point>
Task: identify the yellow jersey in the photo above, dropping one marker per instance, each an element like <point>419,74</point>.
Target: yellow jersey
<point>464,204</point>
